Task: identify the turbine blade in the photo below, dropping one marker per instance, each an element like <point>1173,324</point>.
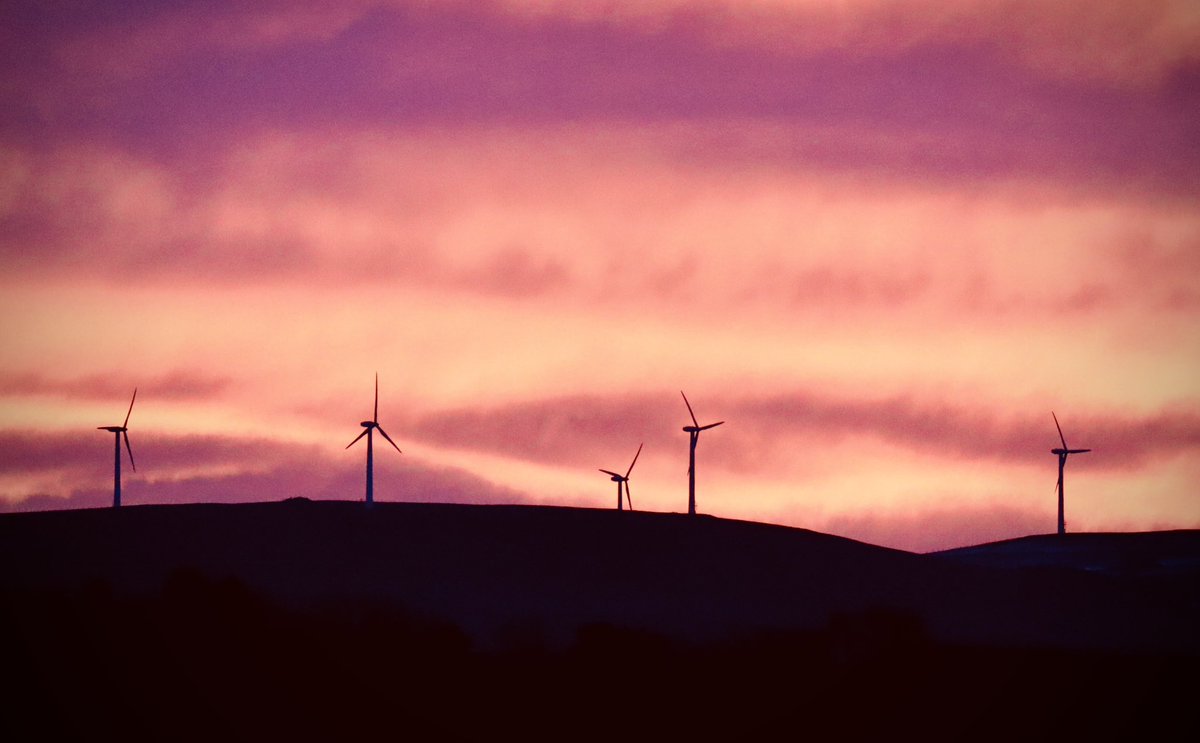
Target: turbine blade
<point>356,438</point>
<point>628,496</point>
<point>635,456</point>
<point>1078,451</point>
<point>1060,433</point>
<point>375,415</point>
<point>607,472</point>
<point>129,449</point>
<point>711,425</point>
<point>130,411</point>
<point>695,422</point>
<point>389,438</point>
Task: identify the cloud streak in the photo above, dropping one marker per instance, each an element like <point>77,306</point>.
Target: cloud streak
<point>177,385</point>
<point>764,429</point>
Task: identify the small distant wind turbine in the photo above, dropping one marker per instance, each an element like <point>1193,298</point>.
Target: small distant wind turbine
<point>694,434</point>
<point>624,480</point>
<point>1062,453</point>
<point>369,427</point>
<point>118,432</point>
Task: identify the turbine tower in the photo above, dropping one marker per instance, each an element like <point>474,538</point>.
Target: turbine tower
<point>1062,453</point>
<point>624,480</point>
<point>368,429</point>
<point>694,434</point>
<point>118,432</point>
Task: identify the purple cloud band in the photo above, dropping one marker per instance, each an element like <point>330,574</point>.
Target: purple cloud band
<point>580,430</point>
<point>248,470</point>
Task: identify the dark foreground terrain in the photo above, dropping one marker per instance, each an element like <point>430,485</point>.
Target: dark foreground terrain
<point>301,620</point>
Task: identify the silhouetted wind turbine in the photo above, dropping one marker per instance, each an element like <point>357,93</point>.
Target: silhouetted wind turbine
<point>1062,453</point>
<point>369,427</point>
<point>694,432</point>
<point>118,432</point>
<point>624,480</point>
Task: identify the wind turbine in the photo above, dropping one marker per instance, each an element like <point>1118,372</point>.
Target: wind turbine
<point>369,427</point>
<point>118,432</point>
<point>1062,453</point>
<point>694,433</point>
<point>624,480</point>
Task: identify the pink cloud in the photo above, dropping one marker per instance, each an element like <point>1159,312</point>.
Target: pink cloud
<point>1163,270</point>
<point>287,212</point>
<point>830,285</point>
<point>514,272</point>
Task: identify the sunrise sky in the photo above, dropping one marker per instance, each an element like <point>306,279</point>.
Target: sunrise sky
<point>882,240</point>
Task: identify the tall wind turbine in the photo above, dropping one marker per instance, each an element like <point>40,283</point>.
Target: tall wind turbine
<point>624,480</point>
<point>1062,453</point>
<point>694,434</point>
<point>369,427</point>
<point>118,432</point>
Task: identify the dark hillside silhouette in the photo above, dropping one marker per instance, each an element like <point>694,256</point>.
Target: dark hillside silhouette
<point>323,620</point>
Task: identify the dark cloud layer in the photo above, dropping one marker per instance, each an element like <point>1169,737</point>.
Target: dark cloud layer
<point>941,108</point>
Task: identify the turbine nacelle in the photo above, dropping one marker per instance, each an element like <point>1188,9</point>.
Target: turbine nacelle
<point>615,477</point>
<point>696,427</point>
<point>368,424</point>
<point>112,429</point>
<point>1064,452</point>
